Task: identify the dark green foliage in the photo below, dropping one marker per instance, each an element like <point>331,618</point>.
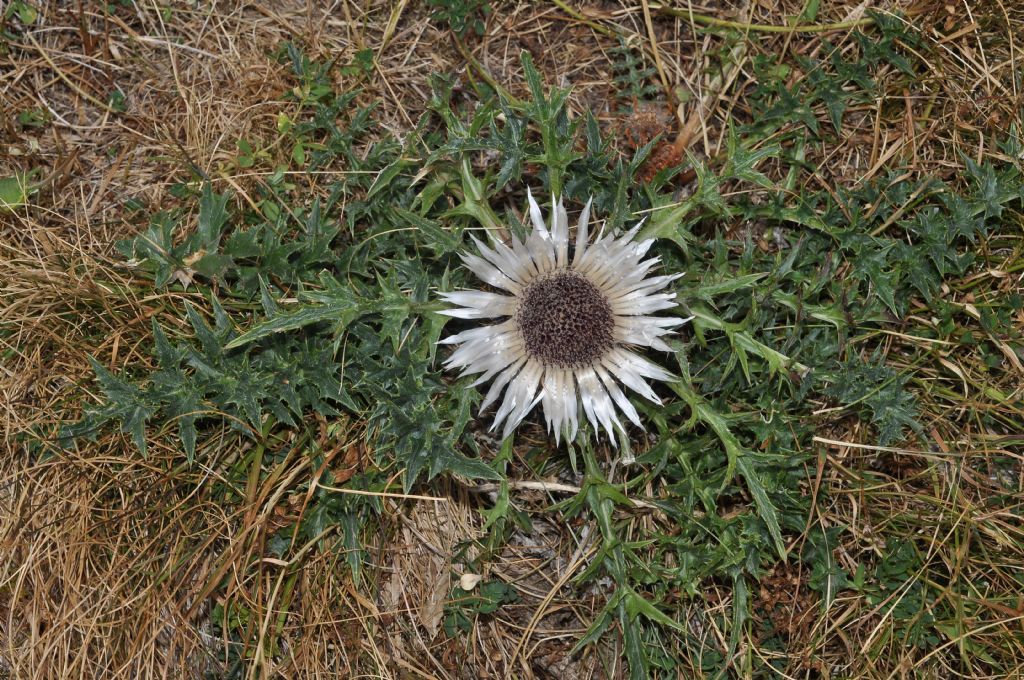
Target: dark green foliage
<point>125,404</point>
<point>199,377</point>
<point>461,15</point>
<point>635,79</point>
<point>836,83</point>
<point>464,607</point>
<point>25,12</point>
<point>827,577</point>
<point>832,82</point>
<point>156,247</point>
<point>897,572</point>
<point>887,44</point>
<point>417,419</point>
<point>879,393</point>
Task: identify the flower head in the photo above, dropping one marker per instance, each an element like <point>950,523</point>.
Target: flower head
<point>566,327</point>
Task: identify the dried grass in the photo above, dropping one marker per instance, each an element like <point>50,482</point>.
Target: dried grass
<point>109,558</point>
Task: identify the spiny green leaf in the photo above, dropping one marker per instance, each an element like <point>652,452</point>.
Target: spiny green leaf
<point>340,311</point>
<point>637,605</point>
<point>737,460</point>
<point>740,613</point>
<point>385,176</point>
<point>436,237</point>
<point>211,344</point>
<point>213,265</point>
<point>765,509</point>
<point>708,291</point>
<point>268,302</point>
<point>743,160</point>
<point>879,392</point>
<point>819,312</point>
<point>533,80</point>
<point>393,307</point>
<point>213,215</point>
<point>126,403</point>
<point>778,362</point>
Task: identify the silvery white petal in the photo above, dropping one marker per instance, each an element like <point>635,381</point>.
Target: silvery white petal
<point>493,363</point>
<point>479,334</point>
<point>517,267</point>
<point>620,399</point>
<point>519,397</point>
<point>638,323</point>
<point>470,354</point>
<point>560,232</point>
<point>525,259</point>
<point>642,366</point>
<point>478,305</point>
<point>541,251</point>
<point>499,261</point>
<point>560,406</point>
<point>646,330</point>
<point>488,273</point>
<point>640,249</point>
<point>643,286</point>
<point>554,408</point>
<point>630,274</point>
<point>596,402</point>
<point>582,229</point>
<point>499,383</point>
<point>643,304</point>
<point>631,370</point>
<point>572,407</point>
<point>536,217</point>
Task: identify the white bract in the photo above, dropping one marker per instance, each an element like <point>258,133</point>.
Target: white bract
<point>565,330</point>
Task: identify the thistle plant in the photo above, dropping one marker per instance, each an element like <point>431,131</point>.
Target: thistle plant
<point>569,324</point>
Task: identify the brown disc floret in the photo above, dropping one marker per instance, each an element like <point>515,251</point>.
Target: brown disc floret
<point>565,320</point>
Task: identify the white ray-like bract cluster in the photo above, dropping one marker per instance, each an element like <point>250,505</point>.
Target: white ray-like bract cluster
<point>566,326</point>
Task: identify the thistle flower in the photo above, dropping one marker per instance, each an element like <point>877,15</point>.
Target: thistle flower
<point>570,321</point>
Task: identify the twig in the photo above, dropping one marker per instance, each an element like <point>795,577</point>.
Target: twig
<point>551,487</point>
<point>485,74</point>
<point>706,20</point>
<point>380,494</point>
<point>669,94</point>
